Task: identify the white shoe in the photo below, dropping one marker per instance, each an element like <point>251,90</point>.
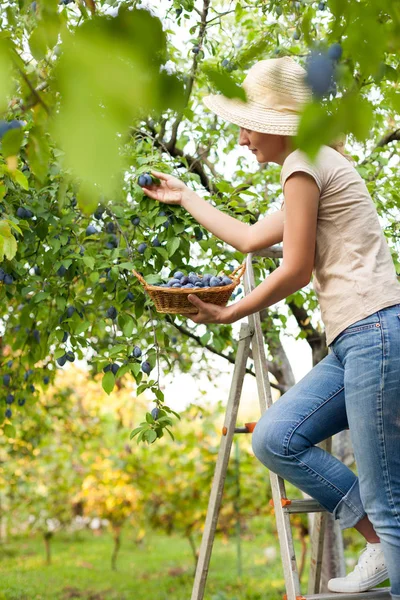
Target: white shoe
<point>369,571</point>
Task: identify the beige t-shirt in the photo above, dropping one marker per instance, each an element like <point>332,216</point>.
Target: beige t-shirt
<point>354,274</point>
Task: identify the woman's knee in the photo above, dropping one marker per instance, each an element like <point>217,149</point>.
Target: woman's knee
<point>268,439</point>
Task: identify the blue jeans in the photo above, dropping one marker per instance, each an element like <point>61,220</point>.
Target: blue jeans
<point>357,385</point>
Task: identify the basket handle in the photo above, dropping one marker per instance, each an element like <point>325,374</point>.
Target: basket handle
<point>138,275</point>
<point>240,268</point>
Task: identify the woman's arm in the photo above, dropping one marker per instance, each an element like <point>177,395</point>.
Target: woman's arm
<point>299,243</point>
<point>226,228</point>
<point>243,237</point>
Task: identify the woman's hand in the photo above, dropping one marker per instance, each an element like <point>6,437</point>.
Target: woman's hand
<point>170,191</point>
<point>211,313</point>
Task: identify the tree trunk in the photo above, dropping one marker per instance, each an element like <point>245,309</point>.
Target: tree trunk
<point>47,537</point>
<point>194,551</point>
<point>117,545</point>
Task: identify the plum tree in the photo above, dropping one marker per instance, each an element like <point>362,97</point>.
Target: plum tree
<point>70,177</point>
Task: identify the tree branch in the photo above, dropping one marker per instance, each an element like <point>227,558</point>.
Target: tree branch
<point>230,358</point>
<point>195,164</point>
<point>316,339</point>
<point>394,136</point>
<point>33,90</point>
<point>202,30</point>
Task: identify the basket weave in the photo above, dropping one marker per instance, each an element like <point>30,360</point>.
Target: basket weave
<point>174,300</point>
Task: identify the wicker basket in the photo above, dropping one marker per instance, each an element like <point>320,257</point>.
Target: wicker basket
<point>174,300</point>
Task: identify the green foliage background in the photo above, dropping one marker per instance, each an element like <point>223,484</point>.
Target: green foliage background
<point>108,90</point>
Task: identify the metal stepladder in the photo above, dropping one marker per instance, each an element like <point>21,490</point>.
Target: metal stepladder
<point>251,333</point>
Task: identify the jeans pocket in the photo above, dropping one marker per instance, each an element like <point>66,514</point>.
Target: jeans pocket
<point>371,322</point>
<point>355,328</point>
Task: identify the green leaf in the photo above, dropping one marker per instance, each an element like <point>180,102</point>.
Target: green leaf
<point>108,382</point>
<point>11,141</point>
<point>135,369</point>
<point>159,394</point>
<point>173,245</point>
<point>117,349</point>
<point>37,43</point>
<point>151,436</point>
<point>128,327</point>
<point>142,387</point>
<point>153,279</point>
<point>81,327</point>
<point>9,430</point>
<point>149,418</point>
<point>225,84</point>
<point>20,178</point>
<point>135,432</point>
<point>89,261</point>
<point>165,420</point>
<point>316,127</point>
<point>170,433</point>
<point>8,245</point>
<point>6,78</point>
<point>205,338</point>
<point>103,65</point>
<point>40,296</point>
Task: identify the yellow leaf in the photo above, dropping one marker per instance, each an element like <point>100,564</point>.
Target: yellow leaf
<point>12,162</point>
<point>4,228</point>
<point>10,247</point>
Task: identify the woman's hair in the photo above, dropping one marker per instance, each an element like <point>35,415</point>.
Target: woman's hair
<point>338,145</point>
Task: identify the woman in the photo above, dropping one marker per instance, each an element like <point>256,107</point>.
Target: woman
<point>330,229</point>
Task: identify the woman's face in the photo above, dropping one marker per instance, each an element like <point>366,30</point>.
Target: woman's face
<point>266,147</point>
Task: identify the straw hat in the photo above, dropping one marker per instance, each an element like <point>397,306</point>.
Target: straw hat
<point>276,92</point>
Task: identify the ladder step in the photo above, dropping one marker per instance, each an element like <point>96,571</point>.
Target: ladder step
<point>300,506</point>
<point>248,428</point>
<point>373,594</point>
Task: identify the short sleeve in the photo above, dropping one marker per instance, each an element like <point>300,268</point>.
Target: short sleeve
<point>298,161</point>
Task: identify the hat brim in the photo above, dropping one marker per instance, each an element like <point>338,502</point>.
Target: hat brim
<point>252,116</point>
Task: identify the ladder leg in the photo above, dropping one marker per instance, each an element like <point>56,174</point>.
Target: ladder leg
<point>317,546</point>
<point>217,488</point>
<point>284,529</point>
<point>317,540</point>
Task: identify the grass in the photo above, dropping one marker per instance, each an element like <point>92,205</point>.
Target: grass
<point>161,568</point>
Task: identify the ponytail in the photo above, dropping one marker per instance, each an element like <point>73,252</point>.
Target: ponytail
<point>338,145</point>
